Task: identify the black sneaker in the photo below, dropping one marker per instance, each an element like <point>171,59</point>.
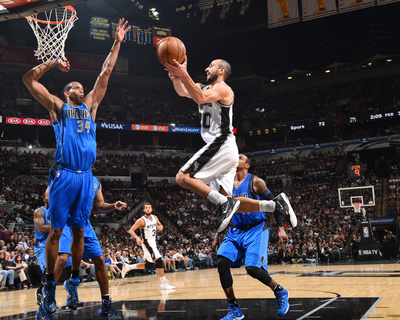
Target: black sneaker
<point>39,297</point>
<point>71,286</point>
<point>107,311</point>
<point>227,210</point>
<point>43,315</point>
<point>284,208</point>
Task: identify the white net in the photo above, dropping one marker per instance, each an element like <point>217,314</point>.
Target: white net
<point>357,207</point>
<point>51,31</point>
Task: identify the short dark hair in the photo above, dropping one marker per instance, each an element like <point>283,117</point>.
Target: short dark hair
<point>68,86</point>
<point>147,204</point>
<point>227,66</point>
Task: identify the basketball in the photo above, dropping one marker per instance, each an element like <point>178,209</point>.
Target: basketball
<point>171,48</point>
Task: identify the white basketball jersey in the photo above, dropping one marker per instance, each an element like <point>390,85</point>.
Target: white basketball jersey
<point>216,119</point>
<point>150,229</point>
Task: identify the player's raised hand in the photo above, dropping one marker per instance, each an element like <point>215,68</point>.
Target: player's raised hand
<point>177,69</point>
<point>173,77</point>
<point>120,206</point>
<point>121,30</point>
<point>63,65</point>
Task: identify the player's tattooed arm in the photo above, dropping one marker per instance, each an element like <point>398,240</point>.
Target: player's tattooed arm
<point>259,185</point>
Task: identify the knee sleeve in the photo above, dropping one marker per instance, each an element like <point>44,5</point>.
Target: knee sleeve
<point>159,263</point>
<point>224,270</point>
<point>149,265</point>
<point>260,274</point>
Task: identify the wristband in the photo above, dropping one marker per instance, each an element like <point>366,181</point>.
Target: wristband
<point>57,61</point>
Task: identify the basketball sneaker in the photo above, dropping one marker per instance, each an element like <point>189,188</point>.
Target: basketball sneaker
<point>235,313</point>
<point>166,286</point>
<point>71,285</point>
<point>49,298</point>
<point>39,297</point>
<point>226,210</point>
<point>282,298</point>
<point>107,311</point>
<point>284,208</point>
<point>43,315</point>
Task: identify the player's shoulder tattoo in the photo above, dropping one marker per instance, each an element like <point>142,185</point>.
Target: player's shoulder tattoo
<point>259,185</point>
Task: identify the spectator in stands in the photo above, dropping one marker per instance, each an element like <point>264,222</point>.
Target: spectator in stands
<point>205,258</point>
<point>22,272</point>
<point>4,234</point>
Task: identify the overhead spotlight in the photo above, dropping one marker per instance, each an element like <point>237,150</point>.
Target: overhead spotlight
<point>388,60</point>
<point>153,13</point>
<point>327,71</point>
<point>290,78</point>
<point>178,9</point>
<point>370,64</point>
<point>272,80</point>
<point>183,8</point>
<point>190,6</point>
<point>187,15</point>
<point>140,6</point>
<point>308,74</point>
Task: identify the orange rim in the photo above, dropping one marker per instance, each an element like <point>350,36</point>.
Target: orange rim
<point>71,8</point>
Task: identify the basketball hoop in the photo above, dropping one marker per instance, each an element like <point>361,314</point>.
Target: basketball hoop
<point>51,31</point>
<point>357,206</point>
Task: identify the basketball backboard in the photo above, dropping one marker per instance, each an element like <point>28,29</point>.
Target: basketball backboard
<point>363,195</point>
<point>15,9</point>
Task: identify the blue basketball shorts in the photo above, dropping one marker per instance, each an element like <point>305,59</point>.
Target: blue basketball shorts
<point>251,244</point>
<point>92,246</point>
<point>71,198</point>
<point>40,253</point>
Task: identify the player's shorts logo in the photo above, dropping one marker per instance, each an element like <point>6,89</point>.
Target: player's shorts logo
<point>262,259</point>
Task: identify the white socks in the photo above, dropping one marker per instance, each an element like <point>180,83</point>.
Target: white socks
<point>216,198</point>
<point>162,279</point>
<point>267,205</point>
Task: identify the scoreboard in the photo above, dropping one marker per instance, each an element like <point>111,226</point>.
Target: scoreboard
<point>103,29</point>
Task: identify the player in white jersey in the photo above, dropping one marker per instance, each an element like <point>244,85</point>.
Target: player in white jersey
<point>211,171</point>
<point>148,225</point>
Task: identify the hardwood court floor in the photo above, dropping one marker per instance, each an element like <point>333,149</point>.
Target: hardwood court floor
<point>347,291</point>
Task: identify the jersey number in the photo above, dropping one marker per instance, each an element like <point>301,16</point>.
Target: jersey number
<point>206,120</point>
<point>80,124</point>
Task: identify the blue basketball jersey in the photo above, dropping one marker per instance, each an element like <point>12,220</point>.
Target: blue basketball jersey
<point>246,220</point>
<point>75,133</point>
<point>42,237</point>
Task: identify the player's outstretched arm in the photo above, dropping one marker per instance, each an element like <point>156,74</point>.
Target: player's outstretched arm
<point>102,206</point>
<point>40,93</point>
<point>38,220</point>
<point>94,97</point>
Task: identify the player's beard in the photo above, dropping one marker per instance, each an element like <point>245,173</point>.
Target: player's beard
<point>212,77</point>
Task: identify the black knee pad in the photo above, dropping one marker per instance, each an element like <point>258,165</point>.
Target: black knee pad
<point>224,270</point>
<point>149,265</point>
<point>159,263</point>
<point>259,274</point>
